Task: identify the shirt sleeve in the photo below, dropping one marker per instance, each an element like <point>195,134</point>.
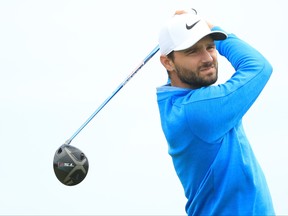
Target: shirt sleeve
<point>213,111</point>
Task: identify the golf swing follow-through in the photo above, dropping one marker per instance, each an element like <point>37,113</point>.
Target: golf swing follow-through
<point>70,164</point>
<point>202,122</point>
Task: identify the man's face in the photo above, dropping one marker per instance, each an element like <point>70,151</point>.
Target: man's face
<point>196,66</point>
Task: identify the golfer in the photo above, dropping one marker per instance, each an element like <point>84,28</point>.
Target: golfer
<point>202,122</point>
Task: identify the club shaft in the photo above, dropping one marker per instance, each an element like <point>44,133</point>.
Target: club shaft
<point>151,54</point>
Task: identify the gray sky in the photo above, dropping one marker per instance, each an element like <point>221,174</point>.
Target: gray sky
<point>59,60</point>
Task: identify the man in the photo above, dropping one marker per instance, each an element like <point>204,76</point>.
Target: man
<point>203,122</point>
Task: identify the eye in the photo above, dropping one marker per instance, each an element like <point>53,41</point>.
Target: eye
<point>211,47</point>
<point>191,51</point>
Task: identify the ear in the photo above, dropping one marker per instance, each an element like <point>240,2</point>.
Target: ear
<point>167,63</point>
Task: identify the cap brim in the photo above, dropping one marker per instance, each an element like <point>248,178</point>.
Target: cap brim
<point>218,35</point>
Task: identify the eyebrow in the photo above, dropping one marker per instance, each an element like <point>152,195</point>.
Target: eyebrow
<point>195,47</point>
<point>189,49</point>
<point>211,43</point>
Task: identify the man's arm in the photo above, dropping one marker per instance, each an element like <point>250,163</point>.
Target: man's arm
<point>219,108</point>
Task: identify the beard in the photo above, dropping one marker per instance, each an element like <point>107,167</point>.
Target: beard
<point>196,79</point>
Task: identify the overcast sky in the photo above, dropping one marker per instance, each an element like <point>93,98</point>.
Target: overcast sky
<point>59,60</point>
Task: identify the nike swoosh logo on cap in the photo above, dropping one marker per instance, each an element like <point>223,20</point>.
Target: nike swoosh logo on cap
<point>191,26</point>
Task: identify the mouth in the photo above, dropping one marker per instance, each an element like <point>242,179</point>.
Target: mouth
<point>207,69</point>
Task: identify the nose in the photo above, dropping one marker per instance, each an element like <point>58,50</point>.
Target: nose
<point>206,56</point>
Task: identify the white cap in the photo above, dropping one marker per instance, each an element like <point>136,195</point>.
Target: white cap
<point>183,31</point>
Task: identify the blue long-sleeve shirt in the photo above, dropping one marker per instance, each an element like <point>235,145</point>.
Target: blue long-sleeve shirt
<point>210,151</point>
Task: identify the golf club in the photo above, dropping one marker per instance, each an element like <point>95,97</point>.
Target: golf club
<point>70,164</point>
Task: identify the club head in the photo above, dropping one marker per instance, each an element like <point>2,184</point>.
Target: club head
<point>70,165</point>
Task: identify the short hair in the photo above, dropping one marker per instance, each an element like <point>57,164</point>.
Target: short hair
<point>171,55</point>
